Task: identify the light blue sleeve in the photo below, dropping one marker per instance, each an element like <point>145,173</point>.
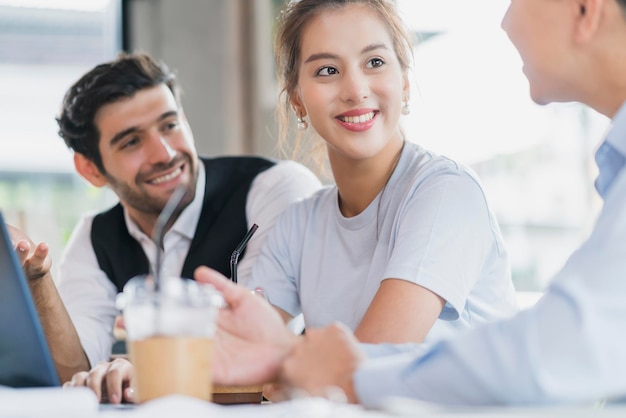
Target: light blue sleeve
<point>383,377</point>
<point>373,351</point>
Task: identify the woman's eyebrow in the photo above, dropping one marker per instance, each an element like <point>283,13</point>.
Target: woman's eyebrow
<point>328,55</point>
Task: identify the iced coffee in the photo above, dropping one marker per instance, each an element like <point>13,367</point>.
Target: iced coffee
<point>170,337</point>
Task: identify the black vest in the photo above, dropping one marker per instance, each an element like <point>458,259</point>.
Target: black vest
<point>221,226</point>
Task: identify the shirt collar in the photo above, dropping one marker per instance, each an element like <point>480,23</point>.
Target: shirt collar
<point>616,135</point>
<point>187,221</point>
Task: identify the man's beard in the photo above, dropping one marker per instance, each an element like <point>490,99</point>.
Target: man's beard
<point>138,199</point>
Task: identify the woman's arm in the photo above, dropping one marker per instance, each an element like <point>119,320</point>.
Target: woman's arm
<point>400,312</point>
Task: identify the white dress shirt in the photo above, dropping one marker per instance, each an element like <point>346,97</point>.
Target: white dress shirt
<point>89,295</point>
<point>570,347</point>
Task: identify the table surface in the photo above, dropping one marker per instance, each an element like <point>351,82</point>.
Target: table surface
<point>69,403</point>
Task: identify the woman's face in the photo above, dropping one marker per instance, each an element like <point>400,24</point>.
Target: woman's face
<point>351,85</point>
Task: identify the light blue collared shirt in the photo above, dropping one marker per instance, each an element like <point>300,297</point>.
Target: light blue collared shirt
<point>611,155</point>
<point>569,348</point>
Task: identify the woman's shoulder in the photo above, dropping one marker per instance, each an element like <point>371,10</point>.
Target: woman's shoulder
<point>311,205</point>
<point>422,163</point>
<point>424,171</point>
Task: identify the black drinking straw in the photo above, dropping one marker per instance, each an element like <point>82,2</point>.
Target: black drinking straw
<point>234,258</point>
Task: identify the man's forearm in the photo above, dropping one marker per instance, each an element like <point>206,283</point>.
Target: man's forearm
<point>65,347</point>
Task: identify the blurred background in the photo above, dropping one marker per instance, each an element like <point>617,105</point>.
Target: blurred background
<point>469,101</point>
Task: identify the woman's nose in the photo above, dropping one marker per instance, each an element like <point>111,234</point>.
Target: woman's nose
<point>354,87</point>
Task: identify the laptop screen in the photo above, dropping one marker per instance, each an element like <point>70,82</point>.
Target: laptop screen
<point>25,359</point>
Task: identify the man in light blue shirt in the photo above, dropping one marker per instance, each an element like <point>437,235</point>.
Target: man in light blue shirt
<point>569,348</point>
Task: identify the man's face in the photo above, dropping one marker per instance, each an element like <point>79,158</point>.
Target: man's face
<point>147,150</point>
<point>541,31</point>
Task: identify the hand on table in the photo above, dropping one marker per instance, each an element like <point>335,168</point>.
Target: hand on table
<point>252,340</point>
<point>325,358</point>
<point>250,345</point>
<point>111,381</point>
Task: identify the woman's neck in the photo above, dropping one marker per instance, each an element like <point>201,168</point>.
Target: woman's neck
<point>360,181</point>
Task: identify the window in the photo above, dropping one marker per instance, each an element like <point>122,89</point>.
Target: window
<point>46,45</point>
<point>470,102</point>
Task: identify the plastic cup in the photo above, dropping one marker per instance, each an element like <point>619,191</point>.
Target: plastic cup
<point>170,336</point>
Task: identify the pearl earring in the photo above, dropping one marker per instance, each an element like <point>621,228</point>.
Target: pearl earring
<point>406,109</point>
<point>302,124</point>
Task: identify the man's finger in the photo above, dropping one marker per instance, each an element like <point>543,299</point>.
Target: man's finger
<point>41,252</point>
<point>95,379</point>
<point>118,378</point>
<point>230,291</point>
<point>78,379</point>
<point>22,248</point>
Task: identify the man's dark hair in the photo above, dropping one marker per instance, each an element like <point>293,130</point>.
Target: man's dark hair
<point>622,4</point>
<point>107,83</point>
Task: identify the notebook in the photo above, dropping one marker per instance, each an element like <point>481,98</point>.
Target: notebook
<point>25,359</point>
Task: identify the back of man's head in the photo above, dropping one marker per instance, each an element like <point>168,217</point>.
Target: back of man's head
<point>622,4</point>
<point>107,83</point>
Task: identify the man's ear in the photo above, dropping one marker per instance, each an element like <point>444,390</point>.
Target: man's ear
<point>88,170</point>
<point>590,14</point>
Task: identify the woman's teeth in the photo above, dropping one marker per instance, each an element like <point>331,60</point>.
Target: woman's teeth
<point>358,119</point>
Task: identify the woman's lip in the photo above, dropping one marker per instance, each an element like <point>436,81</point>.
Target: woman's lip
<point>358,126</point>
<point>357,112</point>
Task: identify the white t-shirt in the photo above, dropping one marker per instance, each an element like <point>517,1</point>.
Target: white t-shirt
<point>89,295</point>
<point>431,225</point>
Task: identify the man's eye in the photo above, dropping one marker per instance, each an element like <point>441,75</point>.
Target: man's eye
<point>131,142</point>
<point>170,125</point>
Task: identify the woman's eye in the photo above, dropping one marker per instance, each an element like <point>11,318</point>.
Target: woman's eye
<point>375,63</point>
<point>326,71</point>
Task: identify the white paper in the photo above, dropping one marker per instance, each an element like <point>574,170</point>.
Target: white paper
<point>48,403</point>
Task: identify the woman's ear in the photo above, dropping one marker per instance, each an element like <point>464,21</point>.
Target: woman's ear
<point>296,105</point>
<point>88,170</point>
<point>406,86</point>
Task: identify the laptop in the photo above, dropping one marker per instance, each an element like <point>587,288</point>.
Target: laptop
<point>25,359</point>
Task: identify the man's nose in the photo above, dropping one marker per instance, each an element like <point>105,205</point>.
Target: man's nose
<point>160,149</point>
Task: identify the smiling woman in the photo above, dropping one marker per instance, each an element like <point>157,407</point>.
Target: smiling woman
<point>44,46</point>
<point>409,248</point>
